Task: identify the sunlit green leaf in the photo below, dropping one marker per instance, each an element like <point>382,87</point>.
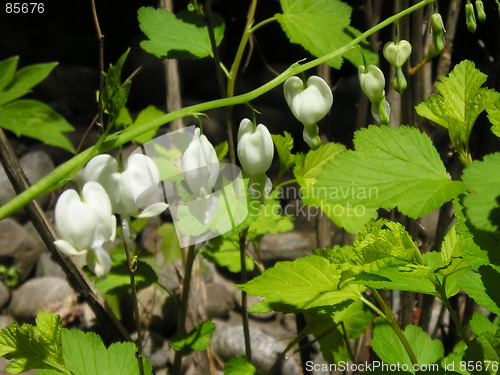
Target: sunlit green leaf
<point>390,168</point>
<point>284,146</point>
<point>181,35</point>
<point>321,27</point>
<point>34,119</point>
<point>239,365</point>
<point>198,339</point>
<point>482,287</point>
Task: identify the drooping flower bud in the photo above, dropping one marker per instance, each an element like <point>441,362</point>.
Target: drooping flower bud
<point>438,31</point>
<point>470,17</point>
<point>399,83</point>
<point>481,14</point>
<point>255,148</point>
<point>201,170</point>
<point>84,224</point>
<point>397,53</point>
<point>372,82</point>
<point>309,103</point>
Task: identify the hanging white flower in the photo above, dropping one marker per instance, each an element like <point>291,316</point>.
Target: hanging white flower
<point>84,224</point>
<point>255,148</point>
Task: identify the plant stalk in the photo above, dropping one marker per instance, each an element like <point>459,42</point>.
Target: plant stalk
<point>244,312</point>
<point>389,316</point>
<point>183,308</point>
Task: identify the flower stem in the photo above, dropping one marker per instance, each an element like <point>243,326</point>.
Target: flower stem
<point>183,308</point>
<point>244,312</point>
<point>132,267</point>
<point>389,316</point>
<point>61,174</point>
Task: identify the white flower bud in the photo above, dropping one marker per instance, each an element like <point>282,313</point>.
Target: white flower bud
<point>255,148</point>
<point>372,82</point>
<point>311,103</point>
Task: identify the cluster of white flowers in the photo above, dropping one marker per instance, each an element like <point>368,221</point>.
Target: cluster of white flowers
<point>85,223</point>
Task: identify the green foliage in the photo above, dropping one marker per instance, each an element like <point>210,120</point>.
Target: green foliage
<point>169,244</point>
<point>390,349</point>
<point>34,119</point>
<point>460,101</point>
<point>148,114</point>
<point>177,36</point>
<point>482,287</point>
<point>307,170</point>
<point>239,365</point>
<point>483,204</point>
<point>115,93</point>
<point>284,146</point>
<point>300,285</point>
<point>389,168</point>
<point>221,150</point>
<point>494,117</point>
<point>14,84</point>
<point>225,252</point>
<point>33,347</point>
<point>198,339</point>
<point>309,23</point>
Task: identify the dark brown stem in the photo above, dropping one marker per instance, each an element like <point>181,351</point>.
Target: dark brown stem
<point>244,312</point>
<point>100,36</point>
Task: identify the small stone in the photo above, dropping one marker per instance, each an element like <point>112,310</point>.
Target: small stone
<point>17,247</point>
<point>219,301</point>
<point>155,348</point>
<point>229,342</point>
<point>46,266</point>
<point>286,246</point>
<point>4,295</point>
<point>51,294</point>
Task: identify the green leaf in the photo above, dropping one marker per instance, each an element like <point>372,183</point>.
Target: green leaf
<point>460,101</point>
<point>225,252</point>
<point>482,326</point>
<point>177,36</point>
<point>239,365</point>
<point>118,280</point>
<point>321,27</point>
<point>7,70</point>
<point>390,168</point>
<point>284,146</point>
<point>169,244</point>
<point>221,150</point>
<point>148,114</point>
<point>494,116</point>
<point>198,339</point>
<point>389,348</point>
<point>270,219</point>
<point>302,284</point>
<point>34,119</point>
<point>483,204</point>
<point>21,83</point>
<point>34,347</point>
<point>307,169</point>
<point>85,354</point>
<point>115,93</point>
<point>482,287</point>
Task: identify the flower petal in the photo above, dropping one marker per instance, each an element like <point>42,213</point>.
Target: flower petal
<point>99,262</point>
<point>153,210</point>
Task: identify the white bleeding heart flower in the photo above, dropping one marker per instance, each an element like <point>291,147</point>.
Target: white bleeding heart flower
<point>131,189</point>
<point>309,103</point>
<point>84,224</point>
<point>372,82</point>
<point>255,148</point>
<point>201,170</point>
<point>397,53</point>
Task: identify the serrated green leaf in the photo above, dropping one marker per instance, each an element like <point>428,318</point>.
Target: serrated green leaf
<point>198,339</point>
<point>270,219</point>
<point>450,256</point>
<point>302,284</point>
<point>392,279</point>
<point>482,287</point>
<point>460,101</point>
<point>37,120</point>
<point>479,353</point>
<point>177,36</point>
<point>225,252</point>
<point>284,146</point>
<point>321,27</point>
<point>352,218</point>
<point>389,348</point>
<point>169,244</point>
<point>24,79</point>
<point>494,116</point>
<point>85,354</point>
<point>390,168</point>
<point>34,347</point>
<point>482,326</point>
<point>239,365</point>
<point>148,114</point>
<point>478,247</point>
<point>483,204</point>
